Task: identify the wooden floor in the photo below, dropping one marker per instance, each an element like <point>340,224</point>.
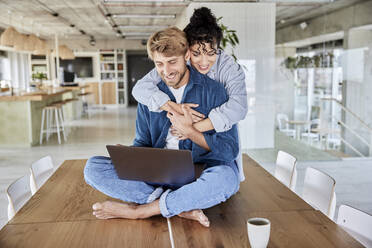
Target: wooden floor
<point>60,215</point>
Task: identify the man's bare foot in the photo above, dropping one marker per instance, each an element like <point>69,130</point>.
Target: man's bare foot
<point>197,215</point>
<point>110,209</point>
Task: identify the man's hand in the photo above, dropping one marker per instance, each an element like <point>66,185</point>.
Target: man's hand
<point>182,122</point>
<point>175,107</point>
<point>177,133</point>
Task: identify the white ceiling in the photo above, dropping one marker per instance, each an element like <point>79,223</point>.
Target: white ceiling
<point>93,16</point>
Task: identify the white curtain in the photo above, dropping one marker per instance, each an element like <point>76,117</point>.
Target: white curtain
<point>17,70</point>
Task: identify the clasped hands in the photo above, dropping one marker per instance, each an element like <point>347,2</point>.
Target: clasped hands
<point>182,117</point>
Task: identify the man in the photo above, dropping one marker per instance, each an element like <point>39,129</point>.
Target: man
<point>219,181</point>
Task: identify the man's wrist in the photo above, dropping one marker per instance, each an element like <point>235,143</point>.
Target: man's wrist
<point>191,132</point>
<point>198,126</point>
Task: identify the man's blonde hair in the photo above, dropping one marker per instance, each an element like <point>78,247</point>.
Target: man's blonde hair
<point>169,42</point>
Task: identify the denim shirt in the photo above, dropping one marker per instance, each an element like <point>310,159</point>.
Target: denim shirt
<point>152,127</point>
<point>226,71</point>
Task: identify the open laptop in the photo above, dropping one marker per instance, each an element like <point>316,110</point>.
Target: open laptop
<point>154,165</point>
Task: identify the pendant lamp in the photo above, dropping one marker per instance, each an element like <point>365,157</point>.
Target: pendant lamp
<point>20,42</point>
<point>41,48</point>
<point>8,37</point>
<point>30,44</point>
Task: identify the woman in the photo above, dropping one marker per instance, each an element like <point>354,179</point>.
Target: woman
<point>204,37</point>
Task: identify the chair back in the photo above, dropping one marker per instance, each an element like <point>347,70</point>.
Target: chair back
<point>285,169</point>
<point>41,170</point>
<point>356,221</point>
<point>319,191</point>
<point>18,194</point>
<point>282,121</point>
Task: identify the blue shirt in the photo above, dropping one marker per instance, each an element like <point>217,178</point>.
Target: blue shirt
<point>226,71</point>
<point>152,127</point>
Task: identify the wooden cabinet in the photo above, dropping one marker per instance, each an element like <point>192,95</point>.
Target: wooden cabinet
<point>94,88</point>
<point>108,93</point>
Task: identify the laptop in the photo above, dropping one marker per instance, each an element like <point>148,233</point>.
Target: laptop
<point>154,165</point>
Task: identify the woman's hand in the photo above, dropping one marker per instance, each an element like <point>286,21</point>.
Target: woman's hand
<point>177,107</point>
<point>183,123</point>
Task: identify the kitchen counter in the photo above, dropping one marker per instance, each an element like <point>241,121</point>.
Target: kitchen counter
<point>39,95</point>
<point>20,114</point>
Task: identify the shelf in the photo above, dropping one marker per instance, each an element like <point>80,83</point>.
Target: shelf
<point>112,65</point>
<point>38,62</point>
<point>107,52</point>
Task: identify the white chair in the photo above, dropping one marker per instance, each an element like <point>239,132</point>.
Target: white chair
<point>284,126</point>
<point>41,170</point>
<point>319,191</point>
<point>311,136</point>
<point>285,169</point>
<point>357,223</point>
<point>18,194</point>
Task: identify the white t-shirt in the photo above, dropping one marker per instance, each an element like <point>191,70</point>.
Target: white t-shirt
<point>172,141</point>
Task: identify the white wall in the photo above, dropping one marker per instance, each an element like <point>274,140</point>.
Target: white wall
<point>255,26</point>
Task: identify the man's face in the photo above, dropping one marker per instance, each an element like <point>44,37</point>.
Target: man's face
<point>171,69</point>
<point>203,57</point>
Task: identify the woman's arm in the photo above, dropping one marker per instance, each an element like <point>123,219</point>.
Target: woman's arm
<point>145,91</point>
<point>222,118</point>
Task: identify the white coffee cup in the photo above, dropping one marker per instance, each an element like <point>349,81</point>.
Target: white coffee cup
<point>258,232</point>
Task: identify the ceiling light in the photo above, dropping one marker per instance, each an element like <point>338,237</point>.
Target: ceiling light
<point>19,42</point>
<point>143,16</point>
<point>142,27</point>
<point>303,25</point>
<point>92,41</point>
<point>8,37</point>
<point>41,48</point>
<point>31,42</point>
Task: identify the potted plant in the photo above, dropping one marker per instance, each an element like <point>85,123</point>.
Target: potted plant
<point>229,37</point>
<point>39,76</point>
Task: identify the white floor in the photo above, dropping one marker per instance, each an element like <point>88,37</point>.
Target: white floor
<point>88,137</point>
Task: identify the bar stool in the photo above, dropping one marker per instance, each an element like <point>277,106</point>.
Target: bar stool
<point>64,104</point>
<point>85,102</point>
<point>55,109</point>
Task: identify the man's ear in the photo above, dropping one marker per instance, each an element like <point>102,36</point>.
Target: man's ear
<point>187,55</point>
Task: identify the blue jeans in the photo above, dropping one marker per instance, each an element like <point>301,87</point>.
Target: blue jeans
<point>215,185</point>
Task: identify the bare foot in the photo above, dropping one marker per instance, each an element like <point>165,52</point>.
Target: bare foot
<point>197,215</point>
<point>110,209</point>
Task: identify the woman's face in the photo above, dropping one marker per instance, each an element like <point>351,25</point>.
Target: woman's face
<point>203,57</point>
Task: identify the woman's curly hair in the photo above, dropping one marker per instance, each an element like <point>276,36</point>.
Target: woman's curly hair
<point>203,28</point>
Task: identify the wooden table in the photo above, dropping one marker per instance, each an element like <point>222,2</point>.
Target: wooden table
<point>298,125</point>
<point>60,215</point>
